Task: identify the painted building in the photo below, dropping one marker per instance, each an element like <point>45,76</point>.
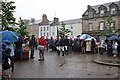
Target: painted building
<point>44,27</point>
<point>75,26</point>
<point>50,28</point>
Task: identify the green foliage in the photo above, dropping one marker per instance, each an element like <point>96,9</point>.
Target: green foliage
<point>63,31</point>
<point>22,30</point>
<point>7,15</point>
<point>109,28</point>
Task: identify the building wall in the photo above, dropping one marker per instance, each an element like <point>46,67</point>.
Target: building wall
<point>97,18</point>
<point>46,32</point>
<point>96,23</point>
<point>33,30</point>
<point>53,31</point>
<point>76,29</point>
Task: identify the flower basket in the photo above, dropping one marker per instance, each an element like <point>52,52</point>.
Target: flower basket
<point>26,53</point>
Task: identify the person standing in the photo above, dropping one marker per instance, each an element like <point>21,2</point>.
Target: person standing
<point>83,46</point>
<point>114,48</point>
<point>18,48</point>
<point>11,47</point>
<point>42,42</point>
<point>57,44</point>
<point>7,62</point>
<point>109,48</point>
<point>32,46</point>
<point>93,46</point>
<point>66,45</point>
<point>88,46</point>
<point>70,44</point>
<point>60,46</point>
<point>52,44</point>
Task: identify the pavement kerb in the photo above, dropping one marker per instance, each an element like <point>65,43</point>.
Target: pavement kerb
<point>104,63</point>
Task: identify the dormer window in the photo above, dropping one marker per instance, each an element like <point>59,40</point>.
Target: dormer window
<point>101,12</point>
<point>113,11</point>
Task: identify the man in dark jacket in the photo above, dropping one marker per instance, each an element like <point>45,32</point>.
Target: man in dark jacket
<point>62,45</point>
<point>32,45</point>
<point>93,46</point>
<point>66,45</point>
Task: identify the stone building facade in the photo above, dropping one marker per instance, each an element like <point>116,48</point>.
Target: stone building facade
<point>33,28</point>
<point>95,18</point>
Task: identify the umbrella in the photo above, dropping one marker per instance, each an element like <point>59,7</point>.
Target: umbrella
<point>8,36</point>
<point>90,38</point>
<point>113,38</point>
<point>111,34</point>
<point>85,36</point>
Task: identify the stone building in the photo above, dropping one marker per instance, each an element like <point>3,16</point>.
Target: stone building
<point>33,28</point>
<point>95,18</point>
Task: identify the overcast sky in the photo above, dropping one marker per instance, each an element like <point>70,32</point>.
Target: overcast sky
<point>63,9</point>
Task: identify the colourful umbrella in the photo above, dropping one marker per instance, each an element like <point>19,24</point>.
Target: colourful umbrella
<point>113,38</point>
<point>85,36</point>
<point>8,36</point>
<point>90,38</point>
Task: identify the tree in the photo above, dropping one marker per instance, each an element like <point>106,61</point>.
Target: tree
<point>63,31</point>
<point>109,28</point>
<point>7,15</point>
<point>22,30</point>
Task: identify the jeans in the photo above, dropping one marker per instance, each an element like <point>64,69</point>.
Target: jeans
<point>41,54</point>
<point>32,51</point>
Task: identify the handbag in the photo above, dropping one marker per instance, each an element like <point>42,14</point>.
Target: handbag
<point>40,47</point>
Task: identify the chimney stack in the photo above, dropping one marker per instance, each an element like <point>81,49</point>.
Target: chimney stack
<point>56,20</point>
<point>44,18</point>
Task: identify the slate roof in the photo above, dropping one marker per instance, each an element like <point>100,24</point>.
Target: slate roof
<point>36,22</point>
<point>96,7</point>
<point>72,21</point>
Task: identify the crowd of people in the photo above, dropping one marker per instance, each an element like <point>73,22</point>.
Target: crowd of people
<point>62,46</point>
